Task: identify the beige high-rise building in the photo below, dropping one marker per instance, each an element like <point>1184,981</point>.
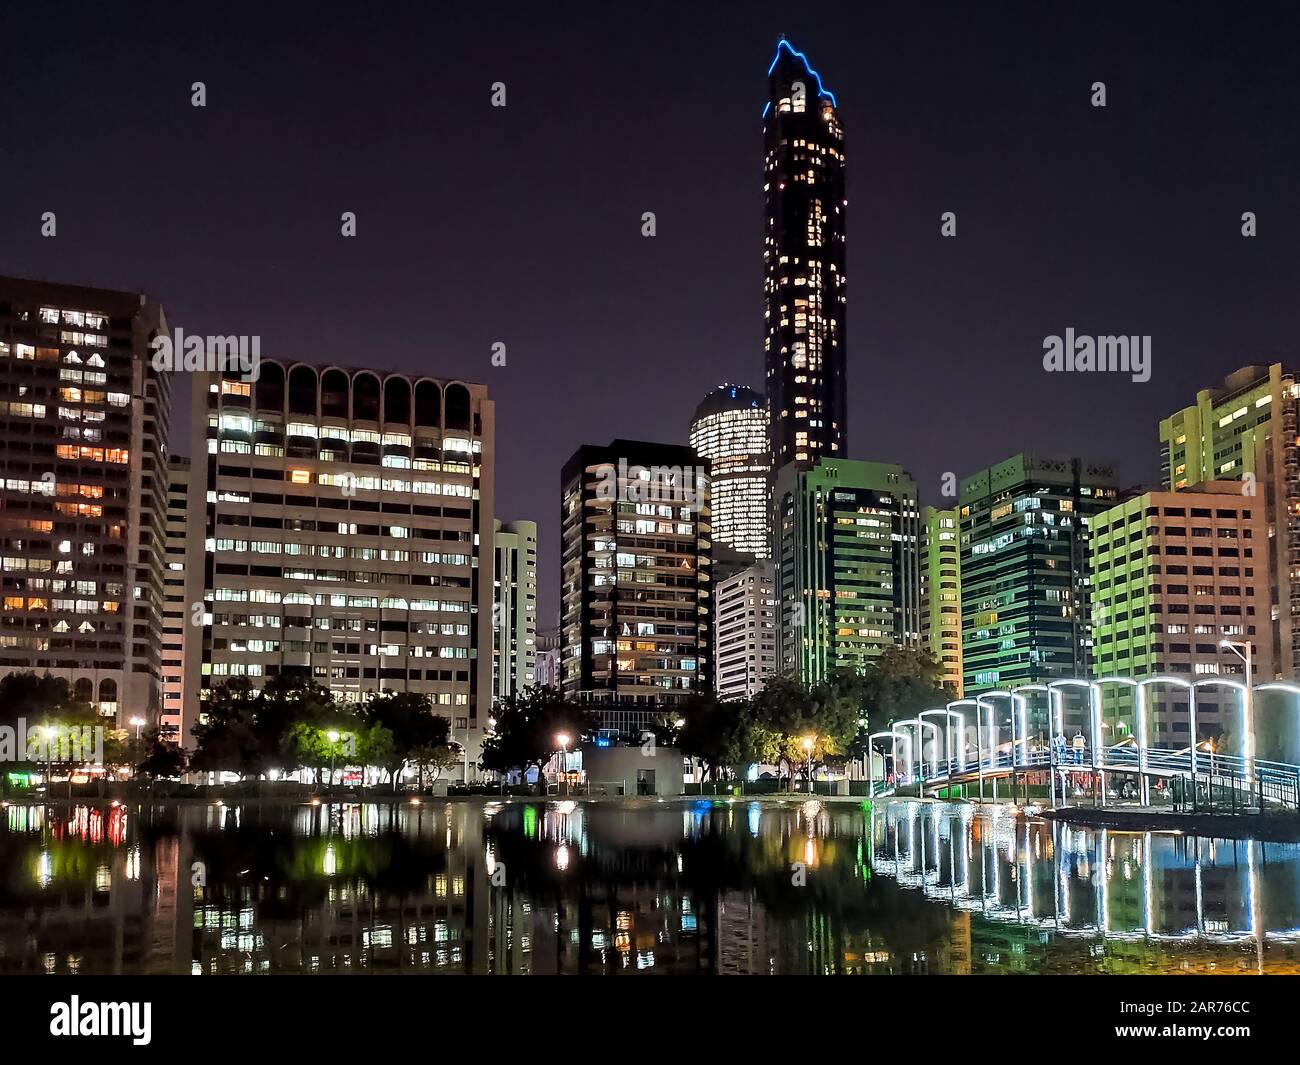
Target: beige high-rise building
<point>1173,575</point>
<point>1246,430</point>
<point>514,608</point>
<point>177,617</point>
<point>348,533</point>
<point>745,652</point>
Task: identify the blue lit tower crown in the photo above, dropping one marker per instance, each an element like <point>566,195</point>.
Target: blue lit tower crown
<point>803,262</point>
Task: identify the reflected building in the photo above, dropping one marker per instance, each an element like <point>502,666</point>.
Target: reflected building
<point>518,888</point>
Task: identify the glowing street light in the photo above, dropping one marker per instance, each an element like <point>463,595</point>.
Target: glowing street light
<point>138,722</point>
<point>562,738</point>
<point>333,736</point>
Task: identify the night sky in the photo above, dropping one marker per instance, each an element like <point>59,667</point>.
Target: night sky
<point>521,225</point>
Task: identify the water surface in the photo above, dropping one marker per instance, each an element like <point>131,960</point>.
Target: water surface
<point>709,886</point>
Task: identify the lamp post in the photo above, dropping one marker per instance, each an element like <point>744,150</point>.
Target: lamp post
<point>562,738</point>
<point>48,732</point>
<point>808,743</point>
<point>138,722</point>
<point>1242,649</point>
<point>333,736</point>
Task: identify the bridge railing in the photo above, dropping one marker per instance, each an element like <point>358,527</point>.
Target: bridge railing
<point>1223,781</point>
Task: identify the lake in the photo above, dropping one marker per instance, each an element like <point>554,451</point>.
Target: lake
<point>636,888</point>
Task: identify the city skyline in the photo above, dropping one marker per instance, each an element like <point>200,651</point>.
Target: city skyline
<point>459,518</point>
<point>958,124</point>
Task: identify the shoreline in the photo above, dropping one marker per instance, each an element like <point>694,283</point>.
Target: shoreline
<point>1269,828</point>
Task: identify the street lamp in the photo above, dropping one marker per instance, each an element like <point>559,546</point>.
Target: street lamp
<point>1242,649</point>
<point>808,743</point>
<point>562,738</point>
<point>138,722</point>
<point>333,736</point>
<point>48,732</point>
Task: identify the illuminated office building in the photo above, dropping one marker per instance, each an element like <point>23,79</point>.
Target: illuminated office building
<point>941,593</point>
<point>636,603</point>
<point>1024,568</point>
<point>514,608</point>
<point>729,431</point>
<point>847,544</point>
<point>348,534</point>
<point>1247,429</point>
<point>745,652</point>
<point>1173,575</point>
<point>83,417</point>
<point>804,291</point>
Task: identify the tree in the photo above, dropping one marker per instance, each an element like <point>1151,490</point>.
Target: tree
<point>284,703</point>
<point>42,700</point>
<point>527,725</point>
<point>414,725</point>
<point>810,724</point>
<point>228,739</point>
<point>726,736</point>
<point>435,758</point>
<point>899,684</point>
<point>160,758</point>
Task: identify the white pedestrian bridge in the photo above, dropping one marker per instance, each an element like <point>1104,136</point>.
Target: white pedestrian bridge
<point>964,744</point>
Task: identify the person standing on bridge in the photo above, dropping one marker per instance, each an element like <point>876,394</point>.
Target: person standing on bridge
<point>1078,744</point>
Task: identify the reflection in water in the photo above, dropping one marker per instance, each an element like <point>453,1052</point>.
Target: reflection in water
<point>723,886</point>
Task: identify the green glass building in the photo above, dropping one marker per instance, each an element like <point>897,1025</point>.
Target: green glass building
<point>1024,568</point>
<point>847,548</point>
<point>941,592</point>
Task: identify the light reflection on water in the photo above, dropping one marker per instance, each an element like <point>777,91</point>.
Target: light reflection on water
<point>707,886</point>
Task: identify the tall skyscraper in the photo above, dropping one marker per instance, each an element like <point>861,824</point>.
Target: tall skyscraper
<point>941,593</point>
<point>83,492</point>
<point>847,555</point>
<point>636,603</point>
<point>744,653</point>
<point>176,610</point>
<point>803,263</point>
<point>514,608</point>
<point>1024,568</point>
<point>348,533</point>
<point>1173,574</point>
<point>729,431</point>
<point>1246,430</point>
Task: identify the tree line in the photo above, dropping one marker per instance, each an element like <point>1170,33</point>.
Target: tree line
<point>800,727</point>
<point>290,725</point>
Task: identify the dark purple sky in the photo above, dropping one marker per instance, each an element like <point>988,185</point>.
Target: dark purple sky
<point>522,225</point>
